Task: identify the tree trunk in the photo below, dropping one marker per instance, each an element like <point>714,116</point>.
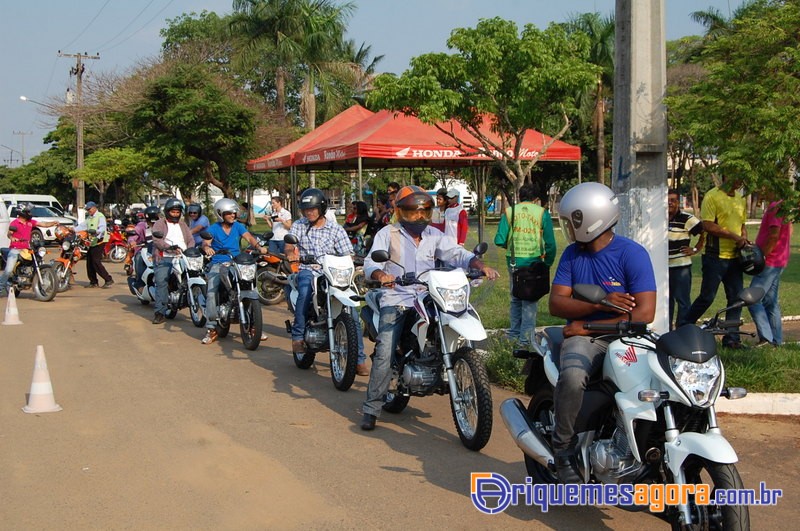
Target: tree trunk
<point>280,91</point>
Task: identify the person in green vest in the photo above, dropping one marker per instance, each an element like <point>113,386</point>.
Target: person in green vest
<point>533,240</point>
<point>95,221</point>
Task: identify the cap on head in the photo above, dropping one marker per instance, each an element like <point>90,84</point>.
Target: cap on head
<point>90,204</point>
<point>452,193</point>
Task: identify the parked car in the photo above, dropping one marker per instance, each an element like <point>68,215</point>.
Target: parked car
<point>43,213</point>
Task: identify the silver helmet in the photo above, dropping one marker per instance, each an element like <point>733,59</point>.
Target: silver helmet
<point>587,211</point>
<point>225,205</point>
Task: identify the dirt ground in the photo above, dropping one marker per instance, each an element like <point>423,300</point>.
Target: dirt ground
<point>160,432</point>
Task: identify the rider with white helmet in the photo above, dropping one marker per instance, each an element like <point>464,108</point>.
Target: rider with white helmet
<point>622,267</point>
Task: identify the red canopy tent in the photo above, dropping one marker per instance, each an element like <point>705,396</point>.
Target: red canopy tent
<point>284,157</point>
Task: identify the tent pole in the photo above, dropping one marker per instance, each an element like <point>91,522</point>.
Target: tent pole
<point>579,173</point>
<point>360,183</point>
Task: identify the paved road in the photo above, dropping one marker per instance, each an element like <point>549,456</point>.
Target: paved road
<point>159,431</point>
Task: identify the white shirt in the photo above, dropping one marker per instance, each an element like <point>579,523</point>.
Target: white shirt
<point>174,237</point>
<point>330,215</point>
<point>279,230</point>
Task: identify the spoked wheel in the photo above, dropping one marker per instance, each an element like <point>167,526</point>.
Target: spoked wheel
<point>344,351</point>
<point>196,311</point>
<point>269,292</point>
<point>541,411</point>
<point>472,406</point>
<point>720,477</point>
<point>118,253</point>
<point>63,277</point>
<point>250,325</point>
<point>45,289</point>
<point>394,402</point>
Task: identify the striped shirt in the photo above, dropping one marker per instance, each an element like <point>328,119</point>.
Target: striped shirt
<point>316,242</point>
<point>681,229</point>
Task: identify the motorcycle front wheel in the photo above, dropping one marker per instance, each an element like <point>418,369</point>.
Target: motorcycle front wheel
<point>223,325</point>
<point>473,419</point>
<point>45,289</point>
<point>344,351</point>
<point>196,311</point>
<point>250,324</point>
<point>269,292</point>
<point>63,277</point>
<point>118,253</point>
<point>541,412</point>
<point>720,477</point>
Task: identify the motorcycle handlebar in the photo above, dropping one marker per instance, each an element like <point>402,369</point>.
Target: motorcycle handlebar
<point>620,327</point>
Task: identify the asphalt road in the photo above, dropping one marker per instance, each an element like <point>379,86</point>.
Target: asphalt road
<point>160,432</point>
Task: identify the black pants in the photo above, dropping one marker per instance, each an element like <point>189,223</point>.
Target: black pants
<point>94,265</point>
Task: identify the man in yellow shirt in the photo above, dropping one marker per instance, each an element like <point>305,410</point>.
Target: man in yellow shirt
<point>723,213</point>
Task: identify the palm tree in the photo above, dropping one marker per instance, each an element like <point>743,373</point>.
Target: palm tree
<point>601,32</point>
<point>350,79</point>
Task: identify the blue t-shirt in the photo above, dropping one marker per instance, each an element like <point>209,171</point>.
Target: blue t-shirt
<point>623,265</point>
<point>201,221</point>
<point>226,242</point>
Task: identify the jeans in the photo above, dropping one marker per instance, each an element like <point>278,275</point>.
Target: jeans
<point>140,267</point>
<point>276,246</point>
<point>11,257</point>
<point>580,359</point>
<point>716,270</point>
<point>161,276</point>
<point>390,326</point>
<point>767,313</point>
<point>680,287</point>
<point>212,287</point>
<point>523,316</point>
<point>305,283</point>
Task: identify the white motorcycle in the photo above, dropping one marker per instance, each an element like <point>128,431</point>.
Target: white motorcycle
<point>331,321</point>
<point>435,353</point>
<point>147,293</point>
<point>648,419</point>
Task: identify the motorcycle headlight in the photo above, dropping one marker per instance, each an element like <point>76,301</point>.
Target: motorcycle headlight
<point>66,246</point>
<point>194,263</point>
<point>247,271</point>
<point>455,300</point>
<point>41,251</point>
<point>341,277</point>
<point>700,381</point>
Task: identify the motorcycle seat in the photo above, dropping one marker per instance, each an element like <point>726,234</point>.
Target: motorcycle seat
<point>555,335</point>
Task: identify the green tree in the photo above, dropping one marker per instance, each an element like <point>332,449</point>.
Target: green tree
<point>106,166</point>
<point>515,81</point>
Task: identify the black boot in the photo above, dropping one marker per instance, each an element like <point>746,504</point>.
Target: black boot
<point>368,422</point>
<point>567,468</point>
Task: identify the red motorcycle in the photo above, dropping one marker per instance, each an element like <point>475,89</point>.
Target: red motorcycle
<point>116,248</point>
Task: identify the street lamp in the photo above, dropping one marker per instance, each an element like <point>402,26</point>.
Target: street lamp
<point>80,191</point>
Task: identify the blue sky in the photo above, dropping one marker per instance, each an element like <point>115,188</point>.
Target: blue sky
<point>126,31</point>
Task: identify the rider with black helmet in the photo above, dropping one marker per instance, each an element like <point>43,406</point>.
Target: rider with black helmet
<point>171,237</point>
<point>417,246</point>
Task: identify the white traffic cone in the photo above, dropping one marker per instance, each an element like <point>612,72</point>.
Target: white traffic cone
<point>40,398</point>
<point>12,314</point>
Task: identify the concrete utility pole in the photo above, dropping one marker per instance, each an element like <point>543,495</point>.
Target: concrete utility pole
<point>77,70</point>
<point>639,172</point>
<point>22,134</point>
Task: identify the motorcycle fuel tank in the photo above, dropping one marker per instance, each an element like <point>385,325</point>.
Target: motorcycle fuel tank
<point>626,365</point>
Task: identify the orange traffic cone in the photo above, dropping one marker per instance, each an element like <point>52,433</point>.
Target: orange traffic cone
<point>40,398</point>
<point>12,314</point>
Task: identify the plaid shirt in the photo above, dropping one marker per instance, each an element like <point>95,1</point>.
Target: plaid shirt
<point>328,239</point>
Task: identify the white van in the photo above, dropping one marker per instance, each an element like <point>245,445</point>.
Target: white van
<point>37,199</point>
<point>5,219</point>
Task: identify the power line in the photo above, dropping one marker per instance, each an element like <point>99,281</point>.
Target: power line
<point>128,25</point>
<point>143,26</point>
<point>87,26</point>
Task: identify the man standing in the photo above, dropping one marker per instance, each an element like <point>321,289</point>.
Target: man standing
<point>773,238</point>
<point>171,236</point>
<point>437,218</point>
<point>681,227</point>
<point>723,213</point>
<point>280,221</point>
<point>456,224</point>
<point>532,241</point>
<point>95,222</point>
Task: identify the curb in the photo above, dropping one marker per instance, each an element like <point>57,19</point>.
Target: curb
<point>762,404</point>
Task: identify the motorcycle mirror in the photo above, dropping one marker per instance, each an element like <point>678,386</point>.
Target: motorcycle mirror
<point>291,239</point>
<point>158,234</point>
<point>204,234</point>
<point>480,249</point>
<point>268,235</point>
<point>751,295</point>
<point>589,293</point>
<point>380,256</point>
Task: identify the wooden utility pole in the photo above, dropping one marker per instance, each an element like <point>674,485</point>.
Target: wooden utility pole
<point>639,173</point>
<point>77,70</point>
<point>22,134</point>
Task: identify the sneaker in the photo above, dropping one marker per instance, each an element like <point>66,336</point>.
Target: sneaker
<point>211,336</point>
<point>158,318</point>
<point>264,336</point>
<point>764,343</point>
<point>108,284</point>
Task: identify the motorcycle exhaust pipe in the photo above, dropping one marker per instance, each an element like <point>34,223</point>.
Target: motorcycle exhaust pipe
<point>528,438</point>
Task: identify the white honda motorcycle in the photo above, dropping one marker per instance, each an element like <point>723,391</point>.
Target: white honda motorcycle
<point>435,353</point>
<point>331,321</point>
<point>648,419</point>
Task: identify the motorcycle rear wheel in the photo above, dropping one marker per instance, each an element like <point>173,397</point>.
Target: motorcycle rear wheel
<point>720,476</point>
<point>196,312</point>
<point>344,351</point>
<point>63,277</point>
<point>474,421</point>
<point>48,287</point>
<point>251,325</point>
<point>117,253</point>
<point>269,292</point>
<point>541,411</point>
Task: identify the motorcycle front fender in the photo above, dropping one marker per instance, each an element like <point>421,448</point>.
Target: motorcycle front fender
<point>248,294</point>
<point>711,446</point>
<point>466,325</point>
<point>343,296</point>
<point>196,281</point>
